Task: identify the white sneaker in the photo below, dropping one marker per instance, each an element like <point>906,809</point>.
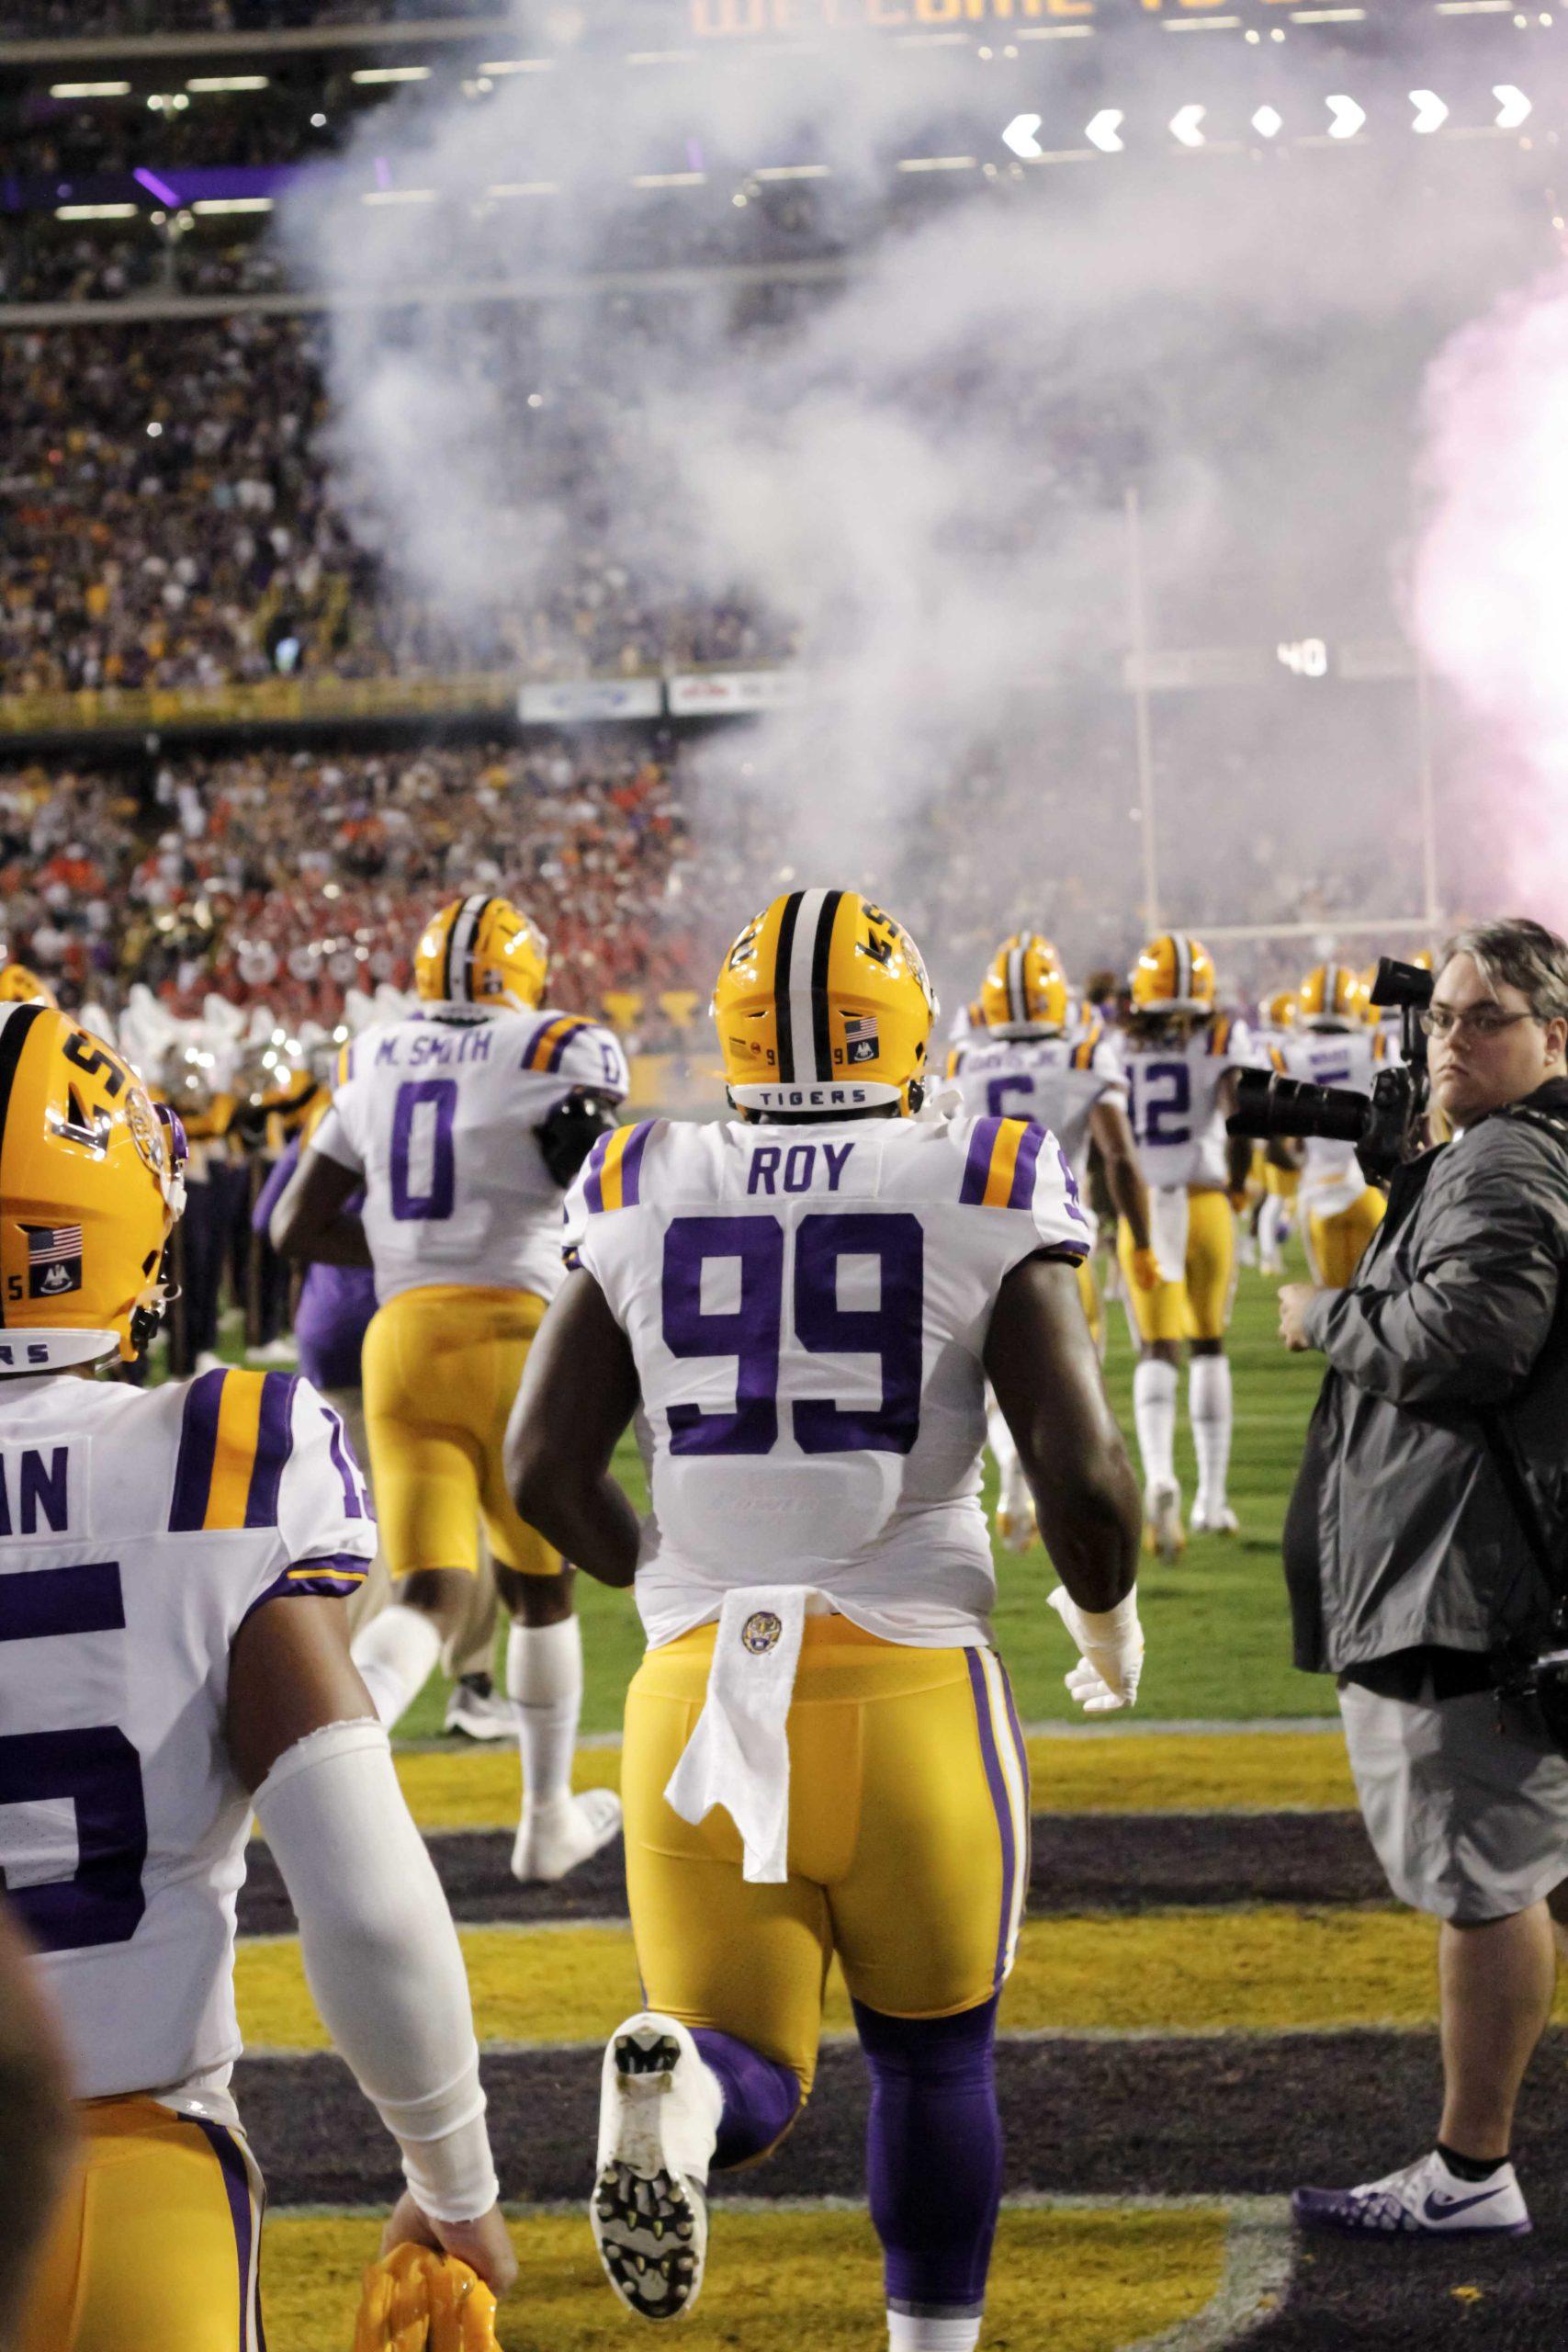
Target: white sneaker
<point>659,2116</point>
<point>553,1840</point>
<point>1214,1520</point>
<point>479,1711</point>
<point>1423,2200</point>
<point>1163,1530</point>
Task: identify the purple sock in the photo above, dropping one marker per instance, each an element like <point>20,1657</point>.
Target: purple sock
<point>761,2099</point>
<point>934,2155</point>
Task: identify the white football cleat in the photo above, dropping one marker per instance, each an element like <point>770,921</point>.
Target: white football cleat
<point>659,2116</point>
<point>1423,2200</point>
<point>1016,1531</point>
<point>479,1711</point>
<point>1217,1520</point>
<point>553,1840</point>
<point>1163,1530</point>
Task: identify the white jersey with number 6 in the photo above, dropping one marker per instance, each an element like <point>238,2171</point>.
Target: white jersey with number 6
<point>1332,1178</point>
<point>807,1309</point>
<point>139,1529</point>
<point>1174,1091</point>
<point>436,1112</point>
<point>1056,1081</point>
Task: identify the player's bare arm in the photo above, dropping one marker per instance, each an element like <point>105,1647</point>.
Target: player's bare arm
<point>1112,1133</point>
<point>1041,1362</point>
<point>309,1221</point>
<point>381,1954</point>
<point>35,2122</point>
<point>578,1395</point>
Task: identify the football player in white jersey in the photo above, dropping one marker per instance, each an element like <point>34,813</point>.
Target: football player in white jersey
<point>1031,1063</point>
<point>1271,1164</point>
<point>1332,1046</point>
<point>174,1654</point>
<point>463,1123</point>
<point>1181,1055</point>
<point>801,1307</point>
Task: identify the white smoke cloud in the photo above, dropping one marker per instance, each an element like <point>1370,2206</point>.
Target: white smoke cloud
<point>922,475</point>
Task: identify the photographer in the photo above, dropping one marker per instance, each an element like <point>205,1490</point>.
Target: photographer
<point>1435,1460</point>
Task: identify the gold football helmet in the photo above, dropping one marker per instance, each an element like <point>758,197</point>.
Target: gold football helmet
<point>415,2300</point>
<point>1279,1009</point>
<point>91,1180</point>
<point>1174,974</point>
<point>19,985</point>
<point>1331,997</point>
<point>824,1005</point>
<point>1024,991</point>
<point>481,951</point>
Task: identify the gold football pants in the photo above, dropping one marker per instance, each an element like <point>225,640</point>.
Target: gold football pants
<point>156,2243</point>
<point>1199,1306</point>
<point>909,1843</point>
<point>1335,1245</point>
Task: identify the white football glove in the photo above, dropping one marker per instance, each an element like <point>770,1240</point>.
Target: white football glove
<point>1106,1677</point>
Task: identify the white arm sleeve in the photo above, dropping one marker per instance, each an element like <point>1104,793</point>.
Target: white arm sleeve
<point>382,1958</point>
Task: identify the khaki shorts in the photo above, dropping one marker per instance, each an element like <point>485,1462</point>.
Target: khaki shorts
<point>1468,1823</point>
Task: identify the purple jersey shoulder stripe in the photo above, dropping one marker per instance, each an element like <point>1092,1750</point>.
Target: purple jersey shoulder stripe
<point>333,1578</point>
<point>594,1193</point>
<point>998,1786</point>
<point>274,1444</point>
<point>198,1451</point>
<point>1022,1192</point>
<point>977,1167</point>
<point>537,1037</point>
<point>353,1497</point>
<point>558,1051</point>
<point>631,1163</point>
<point>237,2184</point>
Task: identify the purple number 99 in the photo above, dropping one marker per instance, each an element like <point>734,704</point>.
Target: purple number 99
<point>750,1332</point>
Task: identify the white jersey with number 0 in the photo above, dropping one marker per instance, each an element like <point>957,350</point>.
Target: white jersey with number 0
<point>436,1112</point>
<point>1174,1091</point>
<point>139,1529</point>
<point>809,1308</point>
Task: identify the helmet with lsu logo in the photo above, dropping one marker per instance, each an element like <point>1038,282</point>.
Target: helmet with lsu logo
<point>823,1008</point>
<point>1175,973</point>
<point>416,2300</point>
<point>92,1182</point>
<point>1279,1009</point>
<point>1024,992</point>
<point>481,951</point>
<point>20,984</point>
<point>1331,997</point>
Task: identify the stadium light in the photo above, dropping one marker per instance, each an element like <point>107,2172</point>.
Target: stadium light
<point>390,74</point>
<point>1103,132</point>
<point>1022,135</point>
<point>1430,112</point>
<point>937,164</point>
<point>95,211</point>
<point>233,204</point>
<point>209,84</point>
<point>792,171</point>
<point>519,66</point>
<point>1513,105</point>
<point>1268,122</point>
<point>89,89</point>
<point>1187,124</point>
<point>1348,118</point>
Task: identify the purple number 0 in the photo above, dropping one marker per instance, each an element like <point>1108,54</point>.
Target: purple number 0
<point>96,1767</point>
<point>440,1094</point>
<point>750,1333</point>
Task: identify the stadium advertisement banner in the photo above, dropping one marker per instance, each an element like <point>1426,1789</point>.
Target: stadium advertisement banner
<point>701,693</point>
<point>727,19</point>
<point>574,702</point>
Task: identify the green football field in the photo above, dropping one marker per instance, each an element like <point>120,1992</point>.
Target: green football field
<point>1217,1626</point>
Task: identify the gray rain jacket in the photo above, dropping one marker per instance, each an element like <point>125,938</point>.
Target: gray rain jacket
<point>1400,1534</point>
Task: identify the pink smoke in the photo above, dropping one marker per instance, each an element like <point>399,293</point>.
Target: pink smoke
<point>1489,586</point>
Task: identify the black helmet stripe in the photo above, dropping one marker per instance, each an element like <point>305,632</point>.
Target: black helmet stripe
<point>1017,1003</point>
<point>822,1028</point>
<point>782,1014</point>
<point>15,1025</point>
<point>457,964</point>
<point>470,946</point>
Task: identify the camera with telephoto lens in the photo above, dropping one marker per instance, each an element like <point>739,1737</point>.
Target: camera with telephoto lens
<point>1385,1126</point>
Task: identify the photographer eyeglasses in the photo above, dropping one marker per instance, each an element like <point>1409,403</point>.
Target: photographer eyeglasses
<point>1485,1020</point>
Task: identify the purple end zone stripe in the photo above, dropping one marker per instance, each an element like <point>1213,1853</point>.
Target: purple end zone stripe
<point>999,1800</point>
<point>335,1577</point>
<point>977,1167</point>
<point>1022,1191</point>
<point>594,1194</point>
<point>631,1164</point>
<point>198,1447</point>
<point>558,1051</point>
<point>274,1444</point>
<point>237,2183</point>
<point>85,1599</point>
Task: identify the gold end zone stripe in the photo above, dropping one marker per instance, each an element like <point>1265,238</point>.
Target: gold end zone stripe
<point>1269,1971</point>
<point>1144,1772</point>
<point>1089,2280</point>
